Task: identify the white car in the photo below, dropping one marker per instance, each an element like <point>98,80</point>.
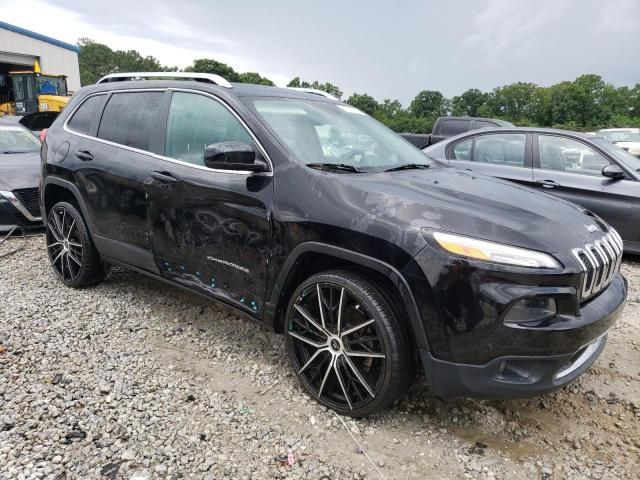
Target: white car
<point>627,138</point>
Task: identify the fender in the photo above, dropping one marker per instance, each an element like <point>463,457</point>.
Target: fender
<point>379,266</point>
<point>66,184</point>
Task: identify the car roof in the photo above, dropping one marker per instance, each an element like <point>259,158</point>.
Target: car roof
<point>524,130</point>
<point>634,130</point>
<point>236,90</point>
<point>12,119</point>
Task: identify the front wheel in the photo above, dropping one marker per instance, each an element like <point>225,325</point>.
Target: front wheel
<point>346,344</point>
<point>72,254</point>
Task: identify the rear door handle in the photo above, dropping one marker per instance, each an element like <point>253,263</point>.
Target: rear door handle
<point>547,183</point>
<point>164,177</point>
<point>84,155</point>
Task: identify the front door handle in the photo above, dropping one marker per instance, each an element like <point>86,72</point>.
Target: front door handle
<point>547,183</point>
<point>84,155</point>
<point>164,177</point>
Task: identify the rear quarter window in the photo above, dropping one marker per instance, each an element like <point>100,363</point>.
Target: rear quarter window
<point>452,127</point>
<point>130,118</point>
<point>85,119</point>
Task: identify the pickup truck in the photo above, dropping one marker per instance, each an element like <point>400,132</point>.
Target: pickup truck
<point>446,127</point>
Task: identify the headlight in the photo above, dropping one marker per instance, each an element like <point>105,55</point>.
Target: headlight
<point>494,252</point>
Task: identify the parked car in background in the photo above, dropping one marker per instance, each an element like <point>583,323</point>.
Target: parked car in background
<point>35,122</point>
<point>446,127</point>
<point>586,170</point>
<point>307,214</point>
<point>19,177</point>
<point>627,138</point>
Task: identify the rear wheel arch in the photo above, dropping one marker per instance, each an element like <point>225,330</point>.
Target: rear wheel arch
<point>58,190</point>
<point>310,258</point>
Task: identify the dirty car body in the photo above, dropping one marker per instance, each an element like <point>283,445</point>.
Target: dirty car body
<point>321,198</point>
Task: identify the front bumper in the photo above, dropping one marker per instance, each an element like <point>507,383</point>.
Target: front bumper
<point>11,216</point>
<point>472,352</point>
<point>509,377</point>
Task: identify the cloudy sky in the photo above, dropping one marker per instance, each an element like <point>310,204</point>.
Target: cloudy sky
<point>387,49</point>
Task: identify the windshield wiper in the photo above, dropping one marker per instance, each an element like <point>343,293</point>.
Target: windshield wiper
<point>409,166</point>
<point>343,167</point>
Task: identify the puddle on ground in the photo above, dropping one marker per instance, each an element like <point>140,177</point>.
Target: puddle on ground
<point>518,451</point>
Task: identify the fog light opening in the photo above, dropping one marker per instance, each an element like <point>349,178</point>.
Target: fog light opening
<point>531,310</point>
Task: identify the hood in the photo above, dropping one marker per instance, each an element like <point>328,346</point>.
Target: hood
<point>629,145</point>
<point>461,202</point>
<point>19,170</point>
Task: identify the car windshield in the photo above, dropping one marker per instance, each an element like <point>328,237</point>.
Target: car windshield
<point>339,136</point>
<point>620,135</point>
<point>16,139</point>
<point>620,154</point>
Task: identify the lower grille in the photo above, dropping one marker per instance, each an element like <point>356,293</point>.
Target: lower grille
<point>600,261</point>
<point>30,199</point>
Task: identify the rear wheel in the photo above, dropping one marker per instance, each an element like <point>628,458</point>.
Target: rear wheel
<point>72,254</point>
<point>346,344</point>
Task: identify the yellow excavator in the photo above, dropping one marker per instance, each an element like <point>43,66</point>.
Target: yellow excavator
<point>23,92</point>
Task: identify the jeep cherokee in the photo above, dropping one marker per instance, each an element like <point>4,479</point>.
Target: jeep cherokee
<point>311,217</point>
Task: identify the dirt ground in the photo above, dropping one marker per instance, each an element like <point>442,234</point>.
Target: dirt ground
<point>154,382</point>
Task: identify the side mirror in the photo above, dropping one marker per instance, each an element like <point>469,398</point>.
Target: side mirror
<point>233,156</point>
<point>613,172</point>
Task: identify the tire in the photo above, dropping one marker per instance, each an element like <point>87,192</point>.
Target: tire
<point>351,354</point>
<point>72,254</point>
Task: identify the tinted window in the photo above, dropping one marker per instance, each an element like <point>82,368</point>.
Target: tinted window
<point>129,118</point>
<point>196,121</point>
<point>462,150</point>
<point>86,118</point>
<point>567,155</point>
<point>453,127</point>
<point>501,148</point>
<point>484,124</point>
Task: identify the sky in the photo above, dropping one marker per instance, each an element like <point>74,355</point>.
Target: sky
<point>386,49</point>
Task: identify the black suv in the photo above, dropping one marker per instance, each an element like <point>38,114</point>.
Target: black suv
<point>310,216</point>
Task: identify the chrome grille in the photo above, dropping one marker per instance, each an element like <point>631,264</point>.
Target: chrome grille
<point>600,261</point>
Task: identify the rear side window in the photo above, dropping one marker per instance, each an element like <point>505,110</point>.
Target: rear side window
<point>86,117</point>
<point>453,127</point>
<point>462,150</point>
<point>196,121</point>
<point>503,148</point>
<point>130,118</point>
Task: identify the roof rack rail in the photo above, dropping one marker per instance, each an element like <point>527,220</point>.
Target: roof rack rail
<point>199,77</point>
<point>315,91</point>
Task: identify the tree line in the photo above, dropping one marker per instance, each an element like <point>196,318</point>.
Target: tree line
<point>586,103</point>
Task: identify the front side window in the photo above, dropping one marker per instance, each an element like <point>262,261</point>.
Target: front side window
<point>85,119</point>
<point>329,133</point>
<point>17,139</point>
<point>196,121</point>
<point>129,118</point>
<point>502,148</point>
<point>568,155</point>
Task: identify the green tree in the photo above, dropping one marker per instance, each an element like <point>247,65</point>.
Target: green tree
<point>256,78</point>
<point>96,60</point>
<point>469,103</point>
<point>328,87</point>
<point>364,102</point>
<point>517,102</point>
<point>209,65</point>
<point>428,103</point>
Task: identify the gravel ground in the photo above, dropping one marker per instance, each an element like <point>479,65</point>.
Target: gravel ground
<point>134,379</point>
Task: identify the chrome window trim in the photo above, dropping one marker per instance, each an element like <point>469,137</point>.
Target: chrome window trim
<point>13,200</point>
<point>262,150</point>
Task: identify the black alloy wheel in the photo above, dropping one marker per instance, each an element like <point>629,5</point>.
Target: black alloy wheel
<point>72,254</point>
<point>346,345</point>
